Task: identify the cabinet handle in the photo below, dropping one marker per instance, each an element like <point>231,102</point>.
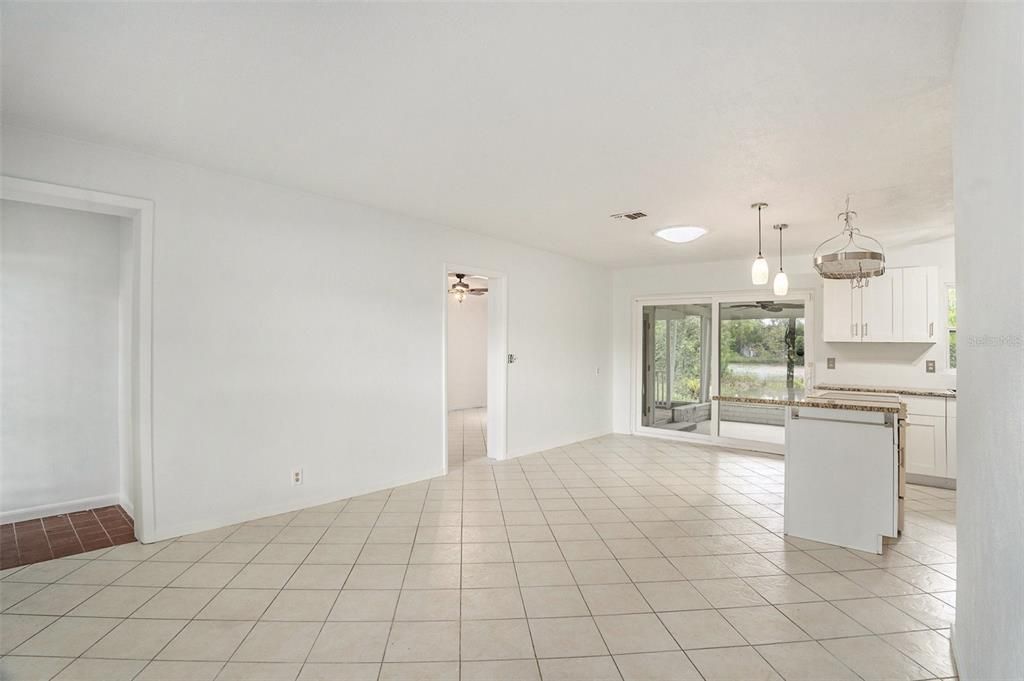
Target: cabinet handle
<point>865,334</point>
<point>931,329</point>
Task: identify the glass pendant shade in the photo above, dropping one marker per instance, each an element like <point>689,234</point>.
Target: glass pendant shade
<point>781,284</point>
<point>759,271</point>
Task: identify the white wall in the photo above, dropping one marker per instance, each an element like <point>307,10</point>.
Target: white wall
<point>988,151</point>
<point>61,272</point>
<point>272,351</point>
<point>885,364</point>
<point>467,351</point>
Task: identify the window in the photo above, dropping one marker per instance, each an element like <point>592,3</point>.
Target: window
<point>951,323</point>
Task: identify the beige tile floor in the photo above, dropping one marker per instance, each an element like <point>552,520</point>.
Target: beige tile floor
<point>615,558</point>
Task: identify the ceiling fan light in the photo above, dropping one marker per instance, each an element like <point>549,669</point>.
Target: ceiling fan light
<point>781,284</point>
<point>759,271</point>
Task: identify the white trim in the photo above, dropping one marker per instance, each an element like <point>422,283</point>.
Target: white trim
<point>715,299</point>
<point>497,365</point>
<point>72,506</point>
<point>136,409</point>
<point>237,517</point>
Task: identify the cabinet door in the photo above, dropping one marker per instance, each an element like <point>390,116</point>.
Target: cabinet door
<point>878,316</point>
<point>951,438</point>
<point>920,304</point>
<point>840,322</point>
<point>926,445</point>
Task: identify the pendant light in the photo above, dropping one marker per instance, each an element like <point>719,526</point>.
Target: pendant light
<point>759,270</point>
<point>850,254</point>
<point>781,284</point>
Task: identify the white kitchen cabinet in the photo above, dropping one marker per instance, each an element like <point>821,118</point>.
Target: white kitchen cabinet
<point>920,304</point>
<point>951,438</point>
<point>899,306</point>
<point>878,313</point>
<point>839,314</point>
<point>926,445</point>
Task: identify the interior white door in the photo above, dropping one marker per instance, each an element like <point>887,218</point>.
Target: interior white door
<point>841,324</point>
<point>878,316</point>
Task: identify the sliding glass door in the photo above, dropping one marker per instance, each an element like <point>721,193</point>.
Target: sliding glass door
<point>761,354</point>
<point>689,350</point>
<point>676,383</point>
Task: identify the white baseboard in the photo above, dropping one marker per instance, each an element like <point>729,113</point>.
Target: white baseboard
<point>555,444</point>
<point>19,514</point>
<point>162,532</point>
<point>931,481</point>
<point>127,505</point>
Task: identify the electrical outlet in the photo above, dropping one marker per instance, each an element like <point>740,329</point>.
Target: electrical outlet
<point>929,366</point>
<point>296,477</point>
<point>830,363</point>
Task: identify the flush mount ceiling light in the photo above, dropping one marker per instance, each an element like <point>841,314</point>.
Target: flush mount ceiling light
<point>759,270</point>
<point>850,254</point>
<point>781,284</point>
<point>680,234</point>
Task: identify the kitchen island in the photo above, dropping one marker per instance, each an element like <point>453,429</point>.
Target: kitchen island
<point>844,473</point>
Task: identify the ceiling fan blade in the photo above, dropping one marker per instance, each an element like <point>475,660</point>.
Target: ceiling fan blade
<point>476,291</point>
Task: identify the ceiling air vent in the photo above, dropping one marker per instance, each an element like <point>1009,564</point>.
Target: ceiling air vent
<point>630,216</point>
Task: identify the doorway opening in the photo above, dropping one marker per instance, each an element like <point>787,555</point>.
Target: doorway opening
<point>77,341</point>
<point>475,367</point>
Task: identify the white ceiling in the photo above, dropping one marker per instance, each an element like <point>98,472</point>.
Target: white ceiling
<point>529,122</point>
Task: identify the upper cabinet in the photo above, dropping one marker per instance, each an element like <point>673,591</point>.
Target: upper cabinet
<point>901,306</point>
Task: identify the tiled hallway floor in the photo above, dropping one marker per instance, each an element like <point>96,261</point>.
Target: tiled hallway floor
<point>57,536</point>
<point>614,558</point>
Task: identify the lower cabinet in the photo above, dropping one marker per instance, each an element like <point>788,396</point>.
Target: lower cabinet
<point>951,438</point>
<point>926,445</point>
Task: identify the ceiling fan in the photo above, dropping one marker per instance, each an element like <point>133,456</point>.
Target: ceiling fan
<point>769,306</point>
<point>461,289</point>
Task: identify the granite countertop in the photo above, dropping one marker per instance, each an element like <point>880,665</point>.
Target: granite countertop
<point>884,407</point>
<point>911,392</point>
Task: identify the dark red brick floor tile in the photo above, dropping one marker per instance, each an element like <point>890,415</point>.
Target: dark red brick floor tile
<point>39,539</point>
<point>119,529</point>
<point>24,524</point>
<point>61,533</point>
<point>32,530</point>
<point>87,524</point>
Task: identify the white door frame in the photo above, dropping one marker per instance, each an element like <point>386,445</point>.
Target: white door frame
<point>715,298</point>
<point>497,361</point>
<point>135,412</point>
